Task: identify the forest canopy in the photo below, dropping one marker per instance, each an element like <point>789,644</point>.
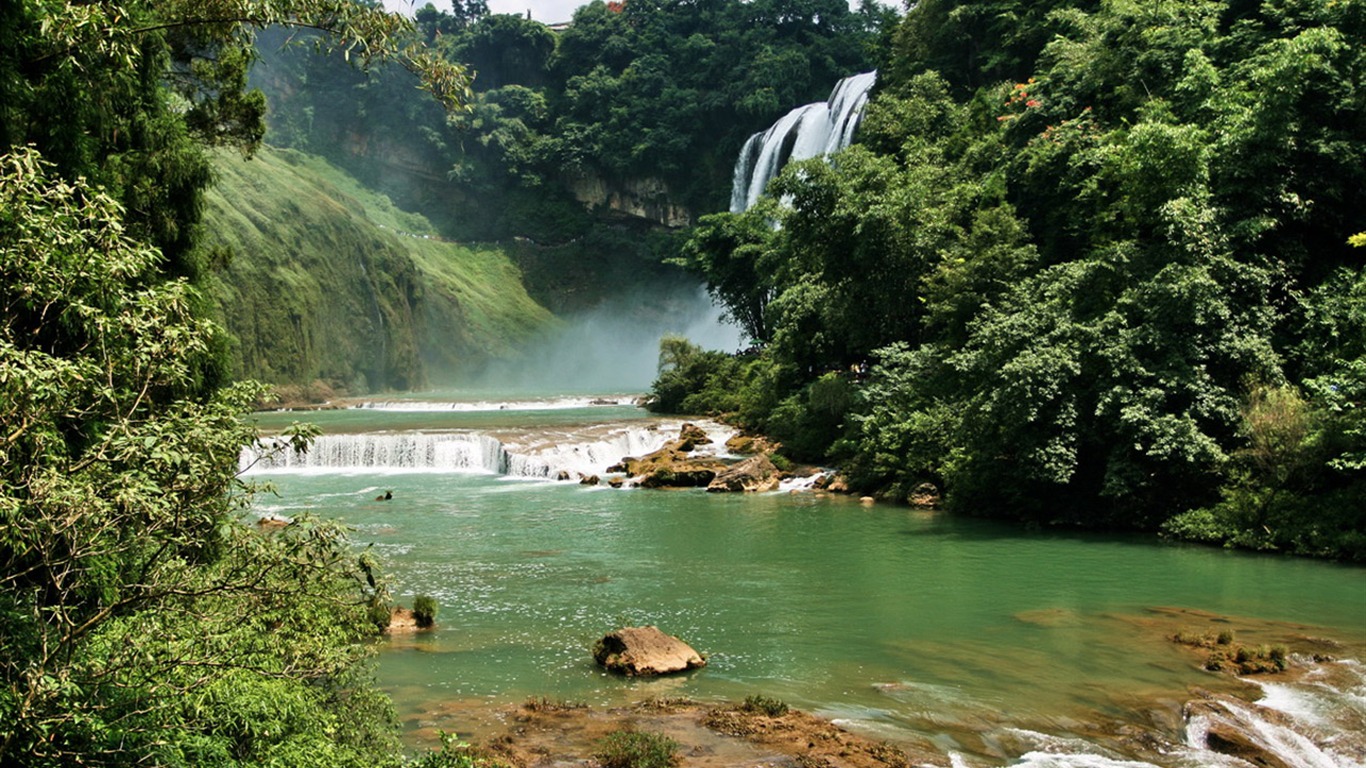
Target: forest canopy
<point>1089,263</point>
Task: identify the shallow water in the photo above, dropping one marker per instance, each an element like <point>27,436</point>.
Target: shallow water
<point>987,639</point>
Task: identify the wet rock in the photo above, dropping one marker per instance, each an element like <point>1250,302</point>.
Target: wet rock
<point>924,495</point>
<point>833,484</point>
<point>671,466</point>
<point>562,475</point>
<point>691,436</point>
<point>754,475</point>
<point>751,444</point>
<point>1231,727</point>
<point>589,480</point>
<point>645,651</point>
<point>616,482</point>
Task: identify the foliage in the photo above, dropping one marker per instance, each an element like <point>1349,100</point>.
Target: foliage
<point>143,622</point>
<point>424,610</point>
<point>636,749</point>
<point>764,704</point>
<point>330,281</point>
<point>1090,263</point>
<point>661,91</point>
<point>687,375</point>
<point>126,93</point>
<point>455,753</point>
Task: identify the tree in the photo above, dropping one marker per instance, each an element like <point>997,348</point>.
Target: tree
<point>140,618</point>
<point>142,622</point>
<point>126,93</point>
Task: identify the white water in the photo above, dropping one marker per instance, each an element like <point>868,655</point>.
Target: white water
<point>545,404</point>
<point>813,130</point>
<point>540,454</point>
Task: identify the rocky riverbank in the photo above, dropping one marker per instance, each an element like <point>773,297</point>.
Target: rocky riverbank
<point>540,733</point>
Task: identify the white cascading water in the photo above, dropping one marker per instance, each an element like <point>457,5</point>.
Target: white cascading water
<point>813,130</point>
<point>533,455</point>
<point>439,451</point>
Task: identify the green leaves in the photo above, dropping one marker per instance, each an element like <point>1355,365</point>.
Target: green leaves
<point>126,583</point>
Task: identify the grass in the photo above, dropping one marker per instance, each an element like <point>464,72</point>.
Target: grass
<point>636,749</point>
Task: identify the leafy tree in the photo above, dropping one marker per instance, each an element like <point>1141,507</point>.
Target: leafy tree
<point>142,621</point>
<point>124,94</point>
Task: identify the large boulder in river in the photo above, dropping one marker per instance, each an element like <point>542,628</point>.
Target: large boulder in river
<point>755,475</point>
<point>644,651</point>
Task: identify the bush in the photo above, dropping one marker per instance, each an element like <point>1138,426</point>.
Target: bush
<point>424,610</point>
<point>636,749</point>
<point>768,706</point>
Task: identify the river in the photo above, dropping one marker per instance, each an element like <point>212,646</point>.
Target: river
<point>1000,645</point>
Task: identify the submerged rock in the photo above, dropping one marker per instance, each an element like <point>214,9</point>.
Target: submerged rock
<point>643,651</point>
<point>754,475</point>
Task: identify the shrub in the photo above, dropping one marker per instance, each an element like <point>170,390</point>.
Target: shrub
<point>636,749</point>
<point>768,706</point>
<point>424,610</point>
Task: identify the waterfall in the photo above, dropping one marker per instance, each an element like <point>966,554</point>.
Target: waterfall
<point>813,130</point>
<point>540,454</point>
<point>407,451</point>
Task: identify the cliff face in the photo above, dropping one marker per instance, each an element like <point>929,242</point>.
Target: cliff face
<point>647,198</point>
<point>330,281</point>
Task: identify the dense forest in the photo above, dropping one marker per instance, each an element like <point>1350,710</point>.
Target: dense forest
<point>664,91</point>
<point>1090,263</point>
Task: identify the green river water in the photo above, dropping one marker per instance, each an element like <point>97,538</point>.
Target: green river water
<point>896,621</point>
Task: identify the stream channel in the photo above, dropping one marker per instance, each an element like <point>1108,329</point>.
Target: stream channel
<point>1000,645</point>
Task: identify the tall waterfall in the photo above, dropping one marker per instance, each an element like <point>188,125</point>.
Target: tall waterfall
<point>812,130</point>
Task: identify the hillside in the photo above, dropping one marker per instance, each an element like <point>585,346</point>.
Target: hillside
<point>325,280</point>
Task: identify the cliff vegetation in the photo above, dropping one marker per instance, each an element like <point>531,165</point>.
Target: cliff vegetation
<point>323,280</point>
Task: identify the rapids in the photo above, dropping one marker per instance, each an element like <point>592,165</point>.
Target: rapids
<point>1000,646</point>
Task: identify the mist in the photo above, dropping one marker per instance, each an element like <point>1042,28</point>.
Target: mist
<point>613,348</point>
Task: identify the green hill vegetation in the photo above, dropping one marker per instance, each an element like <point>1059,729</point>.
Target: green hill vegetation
<point>328,282</point>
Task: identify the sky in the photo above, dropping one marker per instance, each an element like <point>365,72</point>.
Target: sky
<point>546,11</point>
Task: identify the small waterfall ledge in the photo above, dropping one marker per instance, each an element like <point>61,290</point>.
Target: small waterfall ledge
<point>813,130</point>
<point>542,455</point>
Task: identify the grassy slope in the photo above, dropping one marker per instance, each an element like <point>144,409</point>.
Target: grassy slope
<point>330,281</point>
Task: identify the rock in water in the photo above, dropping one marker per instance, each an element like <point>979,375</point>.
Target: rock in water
<point>755,474</point>
<point>691,436</point>
<point>643,651</point>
